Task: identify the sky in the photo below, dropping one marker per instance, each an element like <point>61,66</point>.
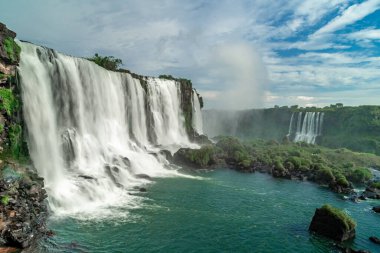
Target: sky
<point>238,53</point>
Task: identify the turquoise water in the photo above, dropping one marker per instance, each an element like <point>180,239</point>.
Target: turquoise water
<point>226,211</point>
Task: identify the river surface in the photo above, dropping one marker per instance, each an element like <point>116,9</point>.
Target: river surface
<point>218,211</point>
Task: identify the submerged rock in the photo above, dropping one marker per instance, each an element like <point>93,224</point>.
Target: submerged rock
<point>333,223</point>
<point>376,209</point>
<point>374,239</point>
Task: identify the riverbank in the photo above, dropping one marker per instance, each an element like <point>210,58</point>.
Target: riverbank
<point>339,169</point>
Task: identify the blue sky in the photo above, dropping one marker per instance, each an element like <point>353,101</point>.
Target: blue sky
<point>239,54</point>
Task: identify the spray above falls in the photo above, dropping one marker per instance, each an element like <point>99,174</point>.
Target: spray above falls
<point>306,127</point>
<point>92,133</point>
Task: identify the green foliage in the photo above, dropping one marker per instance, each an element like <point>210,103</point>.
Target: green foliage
<point>5,200</point>
<point>202,156</point>
<point>360,175</point>
<point>107,62</point>
<point>325,175</point>
<point>12,49</point>
<point>341,180</point>
<point>15,137</point>
<point>375,185</point>
<point>1,128</point>
<point>170,77</point>
<point>8,101</point>
<point>348,222</point>
<point>328,165</point>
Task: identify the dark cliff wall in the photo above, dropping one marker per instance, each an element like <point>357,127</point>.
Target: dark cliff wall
<point>12,134</point>
<point>23,210</point>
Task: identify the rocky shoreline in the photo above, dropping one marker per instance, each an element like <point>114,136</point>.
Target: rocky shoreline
<point>23,210</point>
<point>231,153</point>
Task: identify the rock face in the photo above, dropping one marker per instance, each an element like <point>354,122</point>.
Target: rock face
<point>23,210</point>
<point>333,223</point>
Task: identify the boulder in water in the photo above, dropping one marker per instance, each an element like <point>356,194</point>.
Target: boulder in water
<point>372,193</point>
<point>376,209</point>
<point>374,239</point>
<point>333,223</point>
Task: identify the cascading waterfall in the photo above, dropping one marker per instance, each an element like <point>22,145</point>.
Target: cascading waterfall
<point>290,125</point>
<point>308,128</point>
<point>197,114</point>
<point>93,132</point>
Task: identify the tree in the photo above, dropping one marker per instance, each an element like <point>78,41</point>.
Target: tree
<point>107,62</point>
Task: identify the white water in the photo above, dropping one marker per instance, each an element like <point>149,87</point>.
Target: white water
<point>197,114</point>
<point>91,132</point>
<point>309,127</point>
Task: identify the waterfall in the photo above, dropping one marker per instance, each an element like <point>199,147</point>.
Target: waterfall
<point>93,132</point>
<point>197,114</point>
<point>309,127</point>
<point>290,125</point>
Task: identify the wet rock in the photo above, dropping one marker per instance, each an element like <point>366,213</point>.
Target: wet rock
<point>143,176</point>
<point>166,154</point>
<point>333,223</point>
<point>87,177</point>
<point>374,239</point>
<point>142,189</point>
<point>372,193</point>
<point>376,209</point>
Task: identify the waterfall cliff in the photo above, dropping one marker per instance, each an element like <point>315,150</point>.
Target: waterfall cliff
<point>93,132</point>
<point>307,128</point>
<point>197,114</point>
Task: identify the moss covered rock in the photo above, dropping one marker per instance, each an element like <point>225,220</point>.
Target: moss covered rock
<point>333,223</point>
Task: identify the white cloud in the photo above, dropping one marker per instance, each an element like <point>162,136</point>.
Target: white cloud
<point>351,15</point>
<point>365,34</point>
<point>220,45</point>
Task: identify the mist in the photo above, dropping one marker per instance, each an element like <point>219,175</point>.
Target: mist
<point>240,76</point>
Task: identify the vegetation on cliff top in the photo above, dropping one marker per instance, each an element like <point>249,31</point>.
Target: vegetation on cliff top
<point>107,62</point>
<point>12,49</point>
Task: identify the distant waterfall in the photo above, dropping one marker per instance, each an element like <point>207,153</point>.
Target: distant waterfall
<point>307,128</point>
<point>197,114</point>
<point>93,132</point>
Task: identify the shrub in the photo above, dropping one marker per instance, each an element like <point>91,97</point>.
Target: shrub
<point>202,156</point>
<point>360,175</point>
<point>107,62</point>
<point>12,49</point>
<point>341,180</point>
<point>376,185</point>
<point>5,200</point>
<point>325,175</point>
<point>9,102</point>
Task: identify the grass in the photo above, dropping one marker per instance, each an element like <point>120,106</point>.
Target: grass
<point>12,49</point>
